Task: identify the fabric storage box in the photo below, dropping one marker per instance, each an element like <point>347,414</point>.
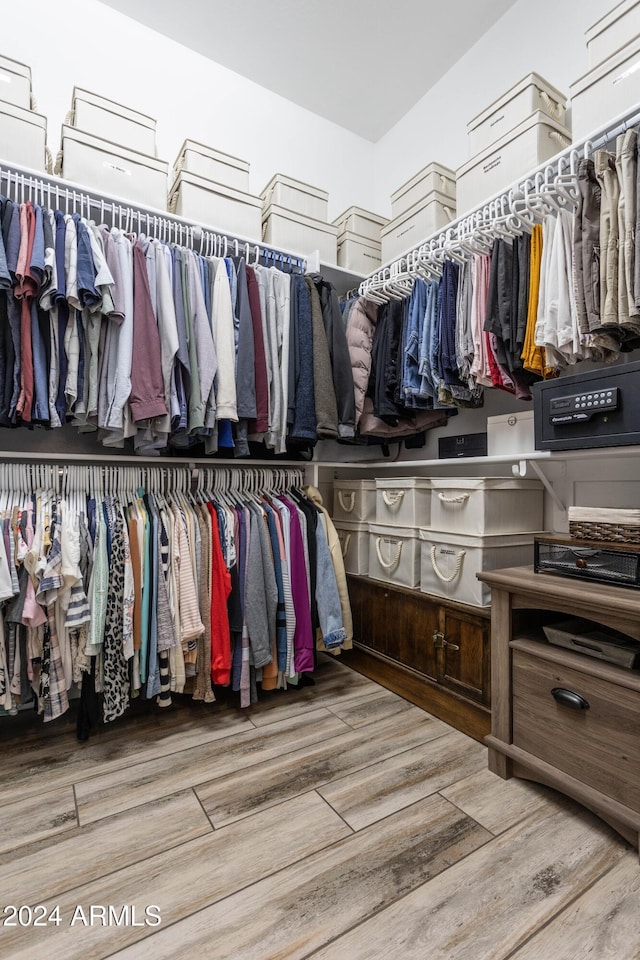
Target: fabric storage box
<point>613,31</point>
<point>413,226</point>
<point>365,224</point>
<point>354,541</point>
<point>354,500</point>
<point>394,555</point>
<point>297,196</point>
<point>112,169</point>
<point>15,83</point>
<point>112,121</point>
<point>486,506</point>
<point>284,228</point>
<point>403,501</point>
<point>432,178</point>
<point>212,165</point>
<point>449,563</point>
<point>607,90</point>
<point>529,95</point>
<point>510,433</point>
<point>23,136</point>
<point>357,253</point>
<point>532,142</point>
<point>214,205</point>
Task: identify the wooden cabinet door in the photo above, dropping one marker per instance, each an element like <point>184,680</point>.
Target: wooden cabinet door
<point>412,622</point>
<point>465,655</point>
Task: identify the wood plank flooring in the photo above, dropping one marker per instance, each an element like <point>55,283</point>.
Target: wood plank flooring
<point>338,822</point>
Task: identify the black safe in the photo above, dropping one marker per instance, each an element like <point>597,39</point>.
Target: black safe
<point>598,408</point>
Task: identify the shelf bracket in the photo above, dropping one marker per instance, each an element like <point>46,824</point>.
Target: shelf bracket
<point>519,469</point>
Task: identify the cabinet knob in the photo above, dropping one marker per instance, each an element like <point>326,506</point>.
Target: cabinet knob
<point>569,698</point>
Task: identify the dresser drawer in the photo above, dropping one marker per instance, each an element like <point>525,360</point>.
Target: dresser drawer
<point>598,745</point>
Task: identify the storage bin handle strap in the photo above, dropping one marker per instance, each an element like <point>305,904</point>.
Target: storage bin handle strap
<point>343,496</point>
<point>554,107</point>
<point>392,498</point>
<point>559,138</point>
<point>392,564</point>
<point>439,574</point>
<point>345,544</point>
<point>461,498</point>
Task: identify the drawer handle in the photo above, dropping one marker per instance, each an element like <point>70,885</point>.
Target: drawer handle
<point>456,570</point>
<point>568,698</point>
<point>345,544</point>
<point>392,498</point>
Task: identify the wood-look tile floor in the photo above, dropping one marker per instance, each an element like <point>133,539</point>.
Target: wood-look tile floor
<point>337,822</point>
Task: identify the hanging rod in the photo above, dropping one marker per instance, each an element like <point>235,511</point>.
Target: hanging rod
<point>451,238</point>
<point>48,190</point>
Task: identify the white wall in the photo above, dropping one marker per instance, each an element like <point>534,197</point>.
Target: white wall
<point>84,43</point>
<point>545,37</point>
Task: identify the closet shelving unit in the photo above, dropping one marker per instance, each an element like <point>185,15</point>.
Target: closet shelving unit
<point>23,183</point>
<point>437,652</point>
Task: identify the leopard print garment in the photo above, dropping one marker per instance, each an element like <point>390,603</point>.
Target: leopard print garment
<point>115,667</point>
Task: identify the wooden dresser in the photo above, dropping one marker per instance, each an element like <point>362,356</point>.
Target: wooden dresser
<point>562,718</point>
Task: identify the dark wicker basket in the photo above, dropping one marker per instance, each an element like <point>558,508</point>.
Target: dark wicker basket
<point>613,532</point>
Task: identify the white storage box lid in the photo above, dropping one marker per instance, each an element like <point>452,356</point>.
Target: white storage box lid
<point>298,232</point>
<point>403,483</point>
<point>215,205</point>
<point>353,526</point>
<point>486,506</point>
<point>362,222</point>
<point>510,433</point>
<point>558,100</point>
<point>113,168</point>
<point>112,121</point>
<point>15,82</point>
<point>23,136</point>
<point>613,31</point>
<point>440,178</point>
<point>345,235</point>
<point>198,158</point>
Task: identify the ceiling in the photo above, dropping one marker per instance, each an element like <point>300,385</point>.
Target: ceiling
<point>360,63</point>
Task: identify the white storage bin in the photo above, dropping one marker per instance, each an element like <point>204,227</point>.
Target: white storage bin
<point>112,169</point>
<point>284,228</point>
<point>215,205</point>
<point>361,222</point>
<point>403,501</point>
<point>212,165</point>
<point>359,254</point>
<point>510,433</point>
<point>529,95</point>
<point>449,563</point>
<point>613,31</point>
<point>433,177</point>
<point>525,147</point>
<point>413,226</point>
<point>113,122</point>
<point>486,506</point>
<point>394,555</point>
<point>15,83</point>
<point>297,196</point>
<point>354,540</point>
<point>23,136</point>
<point>354,500</point>
<point>611,88</point>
